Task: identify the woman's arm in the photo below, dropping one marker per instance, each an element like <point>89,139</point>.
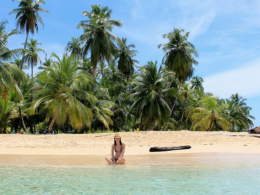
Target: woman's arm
<point>123,152</point>
<point>112,153</point>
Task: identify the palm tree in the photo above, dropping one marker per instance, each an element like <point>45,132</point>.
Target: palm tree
<point>5,53</point>
<point>46,64</point>
<point>27,16</point>
<point>60,89</point>
<point>17,62</point>
<point>8,111</point>
<point>97,36</point>
<point>239,113</point>
<point>209,114</point>
<point>9,73</point>
<point>179,54</point>
<point>196,83</point>
<point>150,106</point>
<point>125,57</point>
<point>101,110</point>
<point>74,48</point>
<point>33,58</point>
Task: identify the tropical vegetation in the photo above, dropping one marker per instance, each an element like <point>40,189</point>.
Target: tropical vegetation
<point>97,86</point>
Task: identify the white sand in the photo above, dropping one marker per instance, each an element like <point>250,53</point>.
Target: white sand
<point>137,143</point>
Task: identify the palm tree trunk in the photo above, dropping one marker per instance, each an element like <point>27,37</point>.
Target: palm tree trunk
<point>94,72</point>
<point>51,124</point>
<point>170,113</point>
<point>32,70</point>
<point>191,125</point>
<point>31,125</point>
<point>211,123</point>
<point>171,82</point>
<point>21,67</point>
<point>21,117</point>
<point>26,40</point>
<point>153,125</point>
<point>147,122</point>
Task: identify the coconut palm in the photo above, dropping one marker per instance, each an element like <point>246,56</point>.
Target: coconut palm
<point>5,53</point>
<point>100,70</point>
<point>179,54</point>
<point>74,48</point>
<point>209,114</point>
<point>125,57</point>
<point>8,111</point>
<point>150,93</point>
<point>17,62</point>
<point>33,58</point>
<point>9,73</point>
<point>239,113</point>
<point>46,64</point>
<point>97,35</point>
<point>27,16</point>
<point>60,89</point>
<point>101,110</point>
<point>196,83</point>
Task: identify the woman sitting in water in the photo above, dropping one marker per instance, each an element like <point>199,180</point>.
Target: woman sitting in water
<point>119,148</point>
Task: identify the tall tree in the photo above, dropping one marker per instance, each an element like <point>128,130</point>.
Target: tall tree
<point>209,114</point>
<point>74,48</point>
<point>97,35</point>
<point>5,53</point>
<point>125,57</point>
<point>9,73</point>
<point>17,62</point>
<point>239,113</point>
<point>179,54</point>
<point>196,83</point>
<point>46,64</point>
<point>33,58</point>
<point>27,16</point>
<point>150,106</point>
<point>60,89</point>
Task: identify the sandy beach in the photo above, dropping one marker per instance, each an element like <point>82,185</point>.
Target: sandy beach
<point>137,143</point>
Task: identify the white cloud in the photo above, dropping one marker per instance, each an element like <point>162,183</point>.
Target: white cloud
<point>242,80</point>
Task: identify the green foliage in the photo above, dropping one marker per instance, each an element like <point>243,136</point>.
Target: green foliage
<point>33,58</point>
<point>74,48</point>
<point>97,36</point>
<point>96,86</point>
<point>179,54</point>
<point>125,57</point>
<point>27,15</point>
<point>59,91</point>
<point>150,106</point>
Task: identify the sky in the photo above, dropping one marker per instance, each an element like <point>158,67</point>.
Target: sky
<point>226,35</point>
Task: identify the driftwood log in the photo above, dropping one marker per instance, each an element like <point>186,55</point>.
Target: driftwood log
<point>162,149</point>
<point>255,130</point>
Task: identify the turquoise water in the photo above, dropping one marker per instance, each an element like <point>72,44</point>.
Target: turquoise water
<point>129,179</point>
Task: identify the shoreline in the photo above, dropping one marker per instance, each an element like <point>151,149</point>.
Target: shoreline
<point>166,159</point>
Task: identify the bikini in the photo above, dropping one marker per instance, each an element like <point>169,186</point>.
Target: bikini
<point>121,149</point>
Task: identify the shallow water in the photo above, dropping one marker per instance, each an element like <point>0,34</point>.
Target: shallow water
<point>142,175</point>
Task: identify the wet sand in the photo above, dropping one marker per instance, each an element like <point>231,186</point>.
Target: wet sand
<point>205,159</point>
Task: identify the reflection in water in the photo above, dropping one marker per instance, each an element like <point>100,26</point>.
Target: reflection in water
<point>161,159</point>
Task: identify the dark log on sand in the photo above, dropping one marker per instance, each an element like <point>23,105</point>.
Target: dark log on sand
<point>162,149</point>
<point>255,130</point>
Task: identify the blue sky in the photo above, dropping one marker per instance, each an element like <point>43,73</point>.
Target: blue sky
<point>225,33</point>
